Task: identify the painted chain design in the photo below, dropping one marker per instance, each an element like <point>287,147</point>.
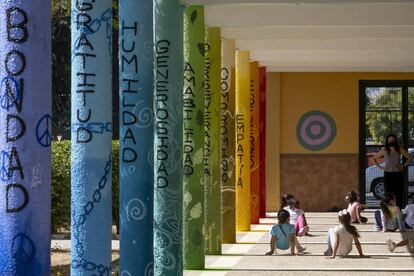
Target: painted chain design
<point>88,208</point>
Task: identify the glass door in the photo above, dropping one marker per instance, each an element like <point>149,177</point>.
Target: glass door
<point>386,107</point>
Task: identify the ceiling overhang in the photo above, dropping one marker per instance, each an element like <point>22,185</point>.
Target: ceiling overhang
<point>319,35</point>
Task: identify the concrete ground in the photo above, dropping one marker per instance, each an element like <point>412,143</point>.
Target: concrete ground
<point>246,257</point>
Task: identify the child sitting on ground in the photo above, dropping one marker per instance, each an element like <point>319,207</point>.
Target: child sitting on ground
<point>407,242</point>
<point>297,217</point>
<point>389,217</point>
<point>283,235</point>
<point>408,215</point>
<point>341,236</point>
<point>354,208</point>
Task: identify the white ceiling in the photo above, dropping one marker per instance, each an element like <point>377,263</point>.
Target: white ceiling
<point>319,35</point>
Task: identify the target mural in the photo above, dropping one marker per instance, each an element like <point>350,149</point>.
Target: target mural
<point>316,130</point>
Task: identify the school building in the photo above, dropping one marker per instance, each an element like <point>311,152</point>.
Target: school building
<point>317,56</point>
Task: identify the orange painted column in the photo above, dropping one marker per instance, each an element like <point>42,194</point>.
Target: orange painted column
<point>254,143</point>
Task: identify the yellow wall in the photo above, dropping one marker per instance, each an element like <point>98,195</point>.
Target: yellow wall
<point>290,95</point>
<point>333,93</point>
<point>272,141</point>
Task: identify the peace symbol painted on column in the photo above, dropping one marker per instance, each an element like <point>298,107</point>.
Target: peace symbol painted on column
<point>44,131</point>
<point>23,249</point>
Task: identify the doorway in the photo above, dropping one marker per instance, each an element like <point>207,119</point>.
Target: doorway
<point>385,107</point>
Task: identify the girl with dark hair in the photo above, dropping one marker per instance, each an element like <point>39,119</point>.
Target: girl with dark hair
<point>389,217</point>
<point>393,169</point>
<point>354,208</point>
<point>341,236</point>
<point>283,235</point>
<point>297,217</point>
<point>284,200</point>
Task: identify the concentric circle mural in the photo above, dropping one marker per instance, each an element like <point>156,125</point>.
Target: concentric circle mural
<point>315,130</point>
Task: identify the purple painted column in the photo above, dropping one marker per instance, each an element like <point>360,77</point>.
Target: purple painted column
<point>25,100</point>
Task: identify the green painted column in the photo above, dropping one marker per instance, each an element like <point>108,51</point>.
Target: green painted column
<point>193,138</point>
<point>227,134</point>
<point>212,115</point>
<point>168,137</point>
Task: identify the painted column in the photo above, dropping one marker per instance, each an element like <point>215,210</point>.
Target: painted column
<point>212,115</point>
<point>262,169</point>
<point>136,137</point>
<point>227,134</point>
<point>254,143</point>
<point>25,99</point>
<point>168,137</point>
<point>91,137</point>
<point>193,138</point>
<point>242,126</point>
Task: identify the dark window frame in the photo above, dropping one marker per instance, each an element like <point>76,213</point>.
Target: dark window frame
<point>363,85</point>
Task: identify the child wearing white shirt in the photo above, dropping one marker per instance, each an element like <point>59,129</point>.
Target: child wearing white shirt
<point>408,214</point>
<point>341,236</point>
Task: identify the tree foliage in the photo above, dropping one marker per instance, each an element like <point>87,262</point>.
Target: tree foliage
<point>61,66</point>
<point>384,114</point>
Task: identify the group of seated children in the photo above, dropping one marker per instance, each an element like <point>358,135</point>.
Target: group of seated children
<point>391,218</point>
<point>292,223</point>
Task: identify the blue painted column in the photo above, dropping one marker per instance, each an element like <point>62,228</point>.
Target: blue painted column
<point>136,136</point>
<point>168,137</point>
<point>91,137</point>
<point>25,137</point>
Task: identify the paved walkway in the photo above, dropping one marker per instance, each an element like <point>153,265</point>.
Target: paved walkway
<point>246,257</point>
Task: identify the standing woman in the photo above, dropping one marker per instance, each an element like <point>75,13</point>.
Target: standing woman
<point>393,169</point>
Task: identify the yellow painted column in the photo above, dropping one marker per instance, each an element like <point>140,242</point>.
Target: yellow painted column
<point>254,143</point>
<point>242,141</point>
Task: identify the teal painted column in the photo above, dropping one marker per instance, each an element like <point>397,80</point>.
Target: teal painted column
<point>136,136</point>
<point>91,162</point>
<point>25,137</point>
<point>212,118</point>
<point>193,138</point>
<point>168,137</point>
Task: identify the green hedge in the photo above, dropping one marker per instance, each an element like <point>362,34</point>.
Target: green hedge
<point>61,185</point>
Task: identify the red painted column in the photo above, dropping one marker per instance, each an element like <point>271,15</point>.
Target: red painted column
<point>262,89</point>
